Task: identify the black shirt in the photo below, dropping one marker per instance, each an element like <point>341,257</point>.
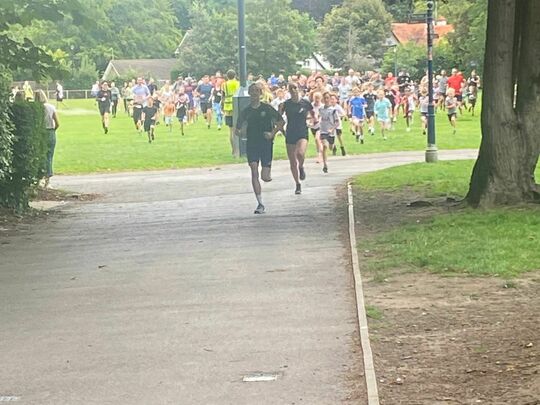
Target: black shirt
<point>104,98</point>
<point>149,113</point>
<point>296,117</point>
<point>217,95</point>
<point>370,100</point>
<point>259,120</point>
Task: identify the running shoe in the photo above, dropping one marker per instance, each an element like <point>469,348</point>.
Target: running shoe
<point>362,141</point>
<point>298,189</point>
<point>106,130</point>
<point>259,210</point>
<point>325,169</point>
<point>357,138</point>
<point>302,173</point>
<point>343,151</point>
<point>334,151</point>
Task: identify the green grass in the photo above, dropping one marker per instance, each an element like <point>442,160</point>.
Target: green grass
<point>83,148</point>
<point>500,242</point>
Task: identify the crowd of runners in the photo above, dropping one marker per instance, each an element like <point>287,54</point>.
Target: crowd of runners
<point>294,106</point>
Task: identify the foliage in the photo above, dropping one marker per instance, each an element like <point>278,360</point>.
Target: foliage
<point>354,34</point>
<point>29,154</point>
<point>84,76</point>
<point>271,44</point>
<point>412,58</point>
<point>400,9</point>
<point>317,9</point>
<point>6,136</point>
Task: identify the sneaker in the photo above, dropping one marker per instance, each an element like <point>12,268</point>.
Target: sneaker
<point>298,189</point>
<point>343,151</point>
<point>361,141</point>
<point>302,173</point>
<point>259,210</point>
<point>424,132</point>
<point>153,136</point>
<point>106,130</point>
<point>454,132</point>
<point>208,126</point>
<point>219,127</point>
<point>325,169</point>
<point>334,151</point>
<point>357,138</point>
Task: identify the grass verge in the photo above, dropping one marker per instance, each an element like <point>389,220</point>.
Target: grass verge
<point>448,240</point>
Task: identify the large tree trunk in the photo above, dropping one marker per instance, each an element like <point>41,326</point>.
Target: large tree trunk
<point>504,171</point>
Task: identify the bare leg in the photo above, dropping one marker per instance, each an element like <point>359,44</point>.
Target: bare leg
<point>293,162</point>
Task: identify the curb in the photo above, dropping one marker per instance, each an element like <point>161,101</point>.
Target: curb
<point>369,368</point>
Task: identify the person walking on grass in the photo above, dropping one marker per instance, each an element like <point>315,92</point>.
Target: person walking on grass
<point>383,112</point>
<point>296,110</point>
<point>451,104</point>
<point>329,122</point>
<point>51,125</point>
<point>103,99</point>
<point>149,117</point>
<point>261,122</point>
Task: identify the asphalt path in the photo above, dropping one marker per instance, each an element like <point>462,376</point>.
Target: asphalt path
<point>167,289</point>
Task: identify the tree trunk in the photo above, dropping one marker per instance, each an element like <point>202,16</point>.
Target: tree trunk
<point>504,171</point>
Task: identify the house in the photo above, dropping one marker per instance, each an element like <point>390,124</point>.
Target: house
<point>315,63</point>
<point>158,69</point>
<point>417,32</point>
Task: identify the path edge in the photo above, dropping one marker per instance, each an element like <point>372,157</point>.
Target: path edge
<point>369,367</point>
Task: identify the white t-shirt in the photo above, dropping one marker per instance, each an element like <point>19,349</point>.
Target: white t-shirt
<point>49,113</point>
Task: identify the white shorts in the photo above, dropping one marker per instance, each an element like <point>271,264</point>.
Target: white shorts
<point>357,121</point>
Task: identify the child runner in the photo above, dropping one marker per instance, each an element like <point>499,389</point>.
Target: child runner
<point>182,106</point>
<point>370,98</point>
<point>262,123</point>
<point>103,99</point>
<point>339,130</point>
<point>296,135</point>
<point>168,113</point>
<point>410,105</point>
<point>314,124</point>
<point>357,105</point>
<point>216,98</point>
<point>424,104</point>
<point>205,92</point>
<point>451,104</point>
<point>329,123</point>
<point>149,116</point>
<point>383,111</point>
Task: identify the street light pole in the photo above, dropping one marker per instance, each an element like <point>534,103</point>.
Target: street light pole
<point>431,150</point>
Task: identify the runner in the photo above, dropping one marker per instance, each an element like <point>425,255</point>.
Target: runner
<point>329,123</point>
<point>314,123</point>
<point>168,114</point>
<point>410,105</point>
<point>127,96</point>
<point>456,82</point>
<point>296,110</point>
<point>205,92</point>
<point>103,99</point>
<point>443,86</point>
<point>451,104</point>
<point>230,87</point>
<point>59,92</point>
<point>339,130</point>
<point>261,123</point>
<point>424,104</point>
<point>140,95</point>
<point>344,90</point>
<point>216,99</point>
<point>115,98</point>
<point>357,112</point>
<point>383,112</point>
<point>182,106</point>
<point>370,98</point>
<point>149,117</point>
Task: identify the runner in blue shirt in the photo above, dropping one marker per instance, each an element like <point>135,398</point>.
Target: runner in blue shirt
<point>382,109</point>
<point>357,112</point>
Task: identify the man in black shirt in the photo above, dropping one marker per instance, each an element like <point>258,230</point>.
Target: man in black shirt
<point>261,122</point>
<point>149,115</point>
<point>103,99</point>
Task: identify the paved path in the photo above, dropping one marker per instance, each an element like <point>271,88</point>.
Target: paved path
<point>168,290</point>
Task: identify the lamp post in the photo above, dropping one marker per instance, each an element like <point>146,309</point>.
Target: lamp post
<point>241,98</point>
<point>431,150</point>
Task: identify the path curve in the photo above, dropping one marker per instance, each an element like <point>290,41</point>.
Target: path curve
<point>168,290</point>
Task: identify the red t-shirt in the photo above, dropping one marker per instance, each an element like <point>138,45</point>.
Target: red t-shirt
<point>455,82</point>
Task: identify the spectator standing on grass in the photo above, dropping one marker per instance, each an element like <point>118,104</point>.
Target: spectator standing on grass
<point>230,87</point>
<point>51,125</point>
<point>59,92</point>
<point>95,89</point>
<point>28,92</point>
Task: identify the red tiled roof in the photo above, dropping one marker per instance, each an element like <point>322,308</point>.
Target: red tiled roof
<point>417,32</point>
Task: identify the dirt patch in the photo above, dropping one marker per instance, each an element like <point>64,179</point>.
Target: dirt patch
<point>49,194</point>
<point>448,340</point>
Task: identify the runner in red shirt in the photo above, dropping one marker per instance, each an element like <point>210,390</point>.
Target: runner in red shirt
<point>456,82</point>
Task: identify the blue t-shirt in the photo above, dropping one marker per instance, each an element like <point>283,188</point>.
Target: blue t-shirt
<point>381,109</point>
<point>358,104</point>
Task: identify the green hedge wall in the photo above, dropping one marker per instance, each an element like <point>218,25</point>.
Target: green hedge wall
<point>6,127</point>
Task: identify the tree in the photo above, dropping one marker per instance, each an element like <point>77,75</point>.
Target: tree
<point>354,34</point>
<point>272,44</point>
<point>504,171</point>
<point>400,9</point>
<point>317,9</point>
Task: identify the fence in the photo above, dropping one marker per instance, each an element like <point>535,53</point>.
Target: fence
<point>70,94</point>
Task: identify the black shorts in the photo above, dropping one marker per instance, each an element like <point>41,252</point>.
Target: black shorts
<point>339,131</point>
<point>459,97</point>
<point>104,108</point>
<point>329,138</point>
<point>450,116</point>
<point>205,106</point>
<point>148,124</point>
<point>369,114</point>
<point>424,114</point>
<point>293,139</point>
<point>314,131</point>
<point>260,152</point>
<point>137,112</point>
<point>181,113</point>
<point>229,121</point>
<point>59,99</point>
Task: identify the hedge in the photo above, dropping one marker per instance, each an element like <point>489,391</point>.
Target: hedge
<point>6,127</point>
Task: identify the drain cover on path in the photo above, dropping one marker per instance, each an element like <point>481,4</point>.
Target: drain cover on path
<point>8,398</point>
<point>260,377</point>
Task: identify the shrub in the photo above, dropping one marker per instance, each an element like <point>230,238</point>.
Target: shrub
<point>29,153</point>
<point>6,136</point>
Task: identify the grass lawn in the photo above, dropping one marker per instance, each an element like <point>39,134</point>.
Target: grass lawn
<point>83,148</point>
<point>500,242</point>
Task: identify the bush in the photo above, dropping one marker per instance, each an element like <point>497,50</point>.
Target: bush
<point>29,154</point>
<point>6,128</point>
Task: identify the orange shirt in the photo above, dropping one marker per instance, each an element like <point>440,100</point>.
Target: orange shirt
<point>169,109</point>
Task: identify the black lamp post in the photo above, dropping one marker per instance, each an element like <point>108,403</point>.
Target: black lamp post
<point>431,150</point>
